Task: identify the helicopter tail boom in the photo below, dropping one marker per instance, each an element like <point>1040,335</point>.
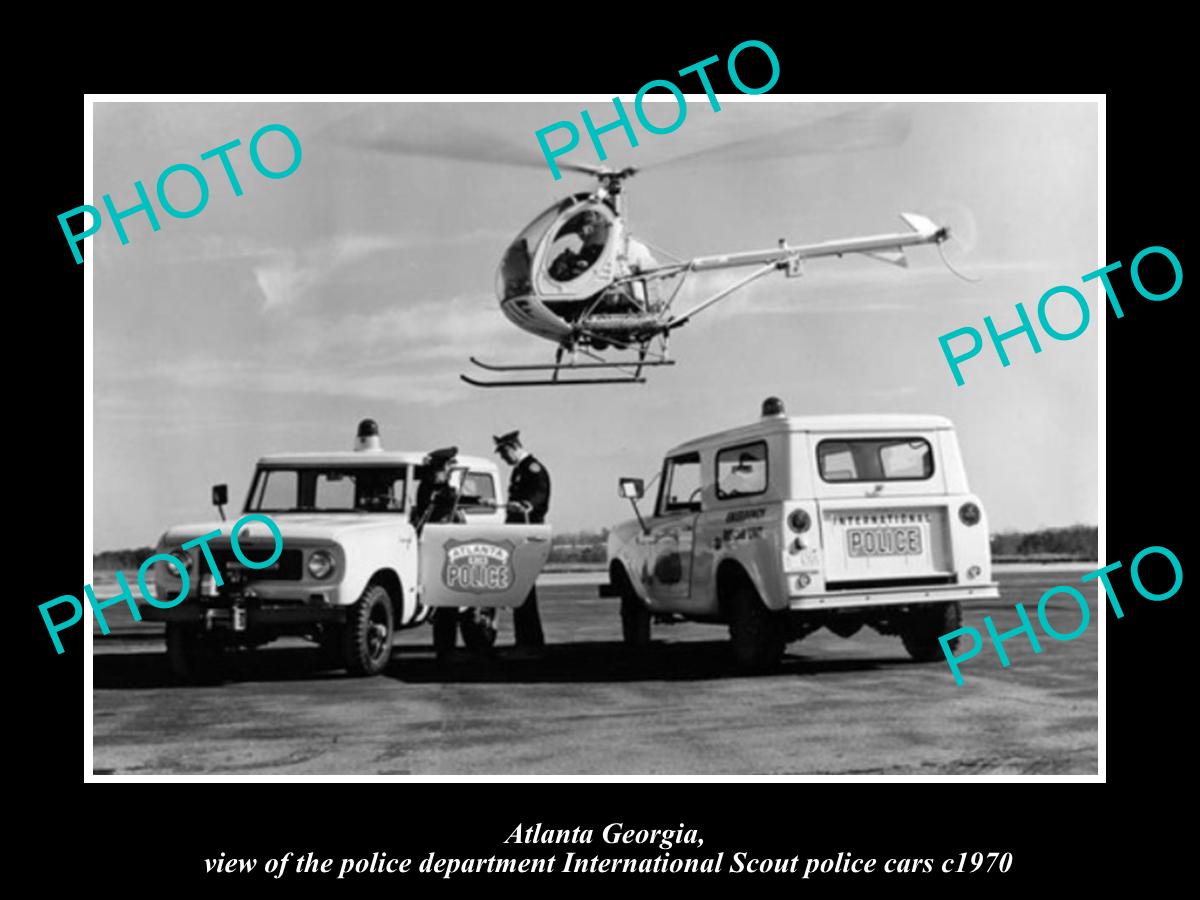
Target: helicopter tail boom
<point>924,231</point>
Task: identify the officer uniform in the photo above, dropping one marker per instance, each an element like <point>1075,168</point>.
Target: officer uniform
<point>436,502</point>
<point>529,489</point>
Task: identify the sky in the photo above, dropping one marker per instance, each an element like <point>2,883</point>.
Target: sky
<point>359,285</point>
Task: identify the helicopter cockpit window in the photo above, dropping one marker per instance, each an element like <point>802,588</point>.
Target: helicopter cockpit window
<point>577,245</point>
<point>515,276</point>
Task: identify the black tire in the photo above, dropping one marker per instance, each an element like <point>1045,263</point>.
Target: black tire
<point>925,624</point>
<point>755,632</point>
<point>367,634</point>
<point>478,627</point>
<point>193,654</point>
<point>635,618</point>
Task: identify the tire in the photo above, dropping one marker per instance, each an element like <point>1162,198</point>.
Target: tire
<point>925,624</point>
<point>755,633</point>
<point>193,654</point>
<point>478,627</point>
<point>367,634</point>
<point>635,619</point>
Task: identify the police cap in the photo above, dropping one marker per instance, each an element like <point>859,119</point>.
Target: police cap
<point>440,457</point>
<point>512,439</point>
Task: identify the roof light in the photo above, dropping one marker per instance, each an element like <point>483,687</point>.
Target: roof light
<point>368,436</point>
<point>772,406</point>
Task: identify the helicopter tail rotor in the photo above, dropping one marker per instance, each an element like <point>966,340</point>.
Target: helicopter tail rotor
<point>959,237</point>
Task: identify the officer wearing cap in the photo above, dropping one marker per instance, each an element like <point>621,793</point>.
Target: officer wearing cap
<point>528,501</point>
<point>436,499</point>
<point>437,502</point>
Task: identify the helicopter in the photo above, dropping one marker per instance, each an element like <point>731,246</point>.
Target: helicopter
<point>577,276</point>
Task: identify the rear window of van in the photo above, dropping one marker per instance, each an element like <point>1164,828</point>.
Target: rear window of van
<point>875,459</point>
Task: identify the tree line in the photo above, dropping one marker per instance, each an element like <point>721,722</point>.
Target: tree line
<point>1072,542</point>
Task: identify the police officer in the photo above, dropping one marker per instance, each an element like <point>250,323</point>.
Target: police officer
<point>528,501</point>
<point>437,502</point>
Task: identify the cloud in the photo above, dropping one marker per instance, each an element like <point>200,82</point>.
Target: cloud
<point>443,328</point>
<point>287,275</point>
<point>412,351</point>
<point>302,378</point>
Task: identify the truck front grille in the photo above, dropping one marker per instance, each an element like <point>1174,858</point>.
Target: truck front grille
<point>289,566</point>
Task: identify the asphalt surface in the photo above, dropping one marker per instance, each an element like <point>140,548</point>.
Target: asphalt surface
<point>841,706</point>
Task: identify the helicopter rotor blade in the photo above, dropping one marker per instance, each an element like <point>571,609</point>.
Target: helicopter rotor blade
<point>443,132</point>
<point>862,127</point>
<point>438,132</point>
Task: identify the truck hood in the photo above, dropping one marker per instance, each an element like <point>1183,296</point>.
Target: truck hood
<point>295,526</point>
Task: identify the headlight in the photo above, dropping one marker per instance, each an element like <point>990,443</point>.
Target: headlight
<point>969,514</point>
<point>177,551</point>
<point>320,564</point>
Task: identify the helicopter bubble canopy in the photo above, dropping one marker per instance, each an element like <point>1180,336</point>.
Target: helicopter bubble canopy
<point>569,252</point>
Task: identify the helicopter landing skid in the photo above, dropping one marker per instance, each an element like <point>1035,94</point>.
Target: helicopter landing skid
<point>631,377</point>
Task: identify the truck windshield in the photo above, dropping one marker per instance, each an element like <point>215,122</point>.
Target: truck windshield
<point>328,489</point>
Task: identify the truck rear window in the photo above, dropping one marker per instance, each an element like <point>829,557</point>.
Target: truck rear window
<point>875,459</point>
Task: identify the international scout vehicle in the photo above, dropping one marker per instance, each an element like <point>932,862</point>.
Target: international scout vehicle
<point>789,524</point>
<point>353,568</point>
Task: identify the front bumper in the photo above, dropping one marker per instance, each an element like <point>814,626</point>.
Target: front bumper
<point>904,596</point>
<point>244,617</point>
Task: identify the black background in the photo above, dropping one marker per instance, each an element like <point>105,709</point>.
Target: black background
<point>1075,835</point>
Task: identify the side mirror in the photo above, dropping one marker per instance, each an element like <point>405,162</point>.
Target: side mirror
<point>632,488</point>
<point>220,497</point>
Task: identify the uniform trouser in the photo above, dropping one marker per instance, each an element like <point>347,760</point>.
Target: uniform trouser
<point>527,624</point>
<point>445,628</point>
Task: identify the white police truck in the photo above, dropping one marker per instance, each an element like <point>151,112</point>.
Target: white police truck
<point>351,568</point>
<point>791,524</point>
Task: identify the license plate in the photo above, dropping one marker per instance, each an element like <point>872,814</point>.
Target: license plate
<point>905,541</point>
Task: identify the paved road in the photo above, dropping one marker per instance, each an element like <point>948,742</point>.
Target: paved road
<point>835,706</point>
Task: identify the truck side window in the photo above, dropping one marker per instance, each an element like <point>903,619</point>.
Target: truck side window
<point>680,484</point>
<point>479,490</point>
<point>742,470</point>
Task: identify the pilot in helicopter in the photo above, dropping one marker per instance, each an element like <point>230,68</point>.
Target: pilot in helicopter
<point>592,229</point>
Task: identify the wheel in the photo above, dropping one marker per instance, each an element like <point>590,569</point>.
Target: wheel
<point>194,655</point>
<point>635,619</point>
<point>755,632</point>
<point>924,625</point>
<point>367,635</point>
<point>478,627</point>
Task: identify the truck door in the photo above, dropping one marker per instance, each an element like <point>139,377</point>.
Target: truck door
<point>480,563</point>
<point>882,508</point>
<point>673,529</point>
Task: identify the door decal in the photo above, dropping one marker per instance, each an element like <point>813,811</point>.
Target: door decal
<point>478,567</point>
<point>669,568</point>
